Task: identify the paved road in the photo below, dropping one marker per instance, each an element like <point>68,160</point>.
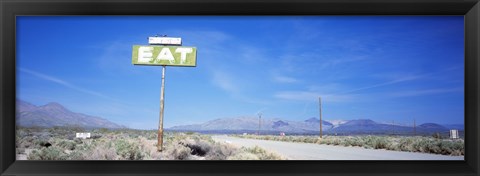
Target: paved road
<point>304,151</point>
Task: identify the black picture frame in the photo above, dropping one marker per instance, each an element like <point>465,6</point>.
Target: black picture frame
<point>9,9</point>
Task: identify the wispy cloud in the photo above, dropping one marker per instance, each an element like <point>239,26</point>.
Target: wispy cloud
<point>225,81</point>
<point>345,96</point>
<point>319,60</point>
<point>235,87</point>
<point>306,107</point>
<point>348,96</point>
<point>61,82</point>
<point>313,96</point>
<point>115,57</point>
<point>334,62</point>
<point>427,92</point>
<point>408,78</point>
<point>284,79</point>
<point>251,55</point>
<point>402,79</point>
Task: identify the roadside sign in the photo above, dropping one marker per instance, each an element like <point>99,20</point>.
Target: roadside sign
<point>454,134</point>
<point>82,135</point>
<point>164,41</point>
<point>160,52</point>
<point>164,55</point>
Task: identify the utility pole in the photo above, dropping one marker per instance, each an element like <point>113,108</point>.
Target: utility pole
<point>414,128</point>
<point>320,105</point>
<point>393,127</point>
<point>259,123</point>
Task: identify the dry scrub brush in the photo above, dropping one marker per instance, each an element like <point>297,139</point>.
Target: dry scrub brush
<point>123,144</point>
<point>398,143</point>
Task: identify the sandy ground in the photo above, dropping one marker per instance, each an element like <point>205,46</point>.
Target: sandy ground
<point>305,151</point>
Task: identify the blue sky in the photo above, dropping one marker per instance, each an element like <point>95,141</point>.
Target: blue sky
<point>382,68</point>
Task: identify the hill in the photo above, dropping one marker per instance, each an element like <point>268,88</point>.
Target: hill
<point>308,126</point>
<point>54,114</point>
<point>251,124</point>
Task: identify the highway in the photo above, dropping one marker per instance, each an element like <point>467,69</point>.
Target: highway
<point>306,151</point>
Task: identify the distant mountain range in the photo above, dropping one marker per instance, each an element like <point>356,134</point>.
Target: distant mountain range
<point>311,126</point>
<point>54,114</point>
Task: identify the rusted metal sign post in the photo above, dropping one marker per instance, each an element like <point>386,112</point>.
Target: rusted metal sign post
<point>164,51</point>
<point>162,105</point>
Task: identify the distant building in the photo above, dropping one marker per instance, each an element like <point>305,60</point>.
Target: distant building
<point>245,134</point>
<point>83,135</point>
<point>454,134</point>
<point>282,134</point>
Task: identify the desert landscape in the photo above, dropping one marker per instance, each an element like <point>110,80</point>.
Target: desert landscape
<point>45,137</point>
<point>246,88</point>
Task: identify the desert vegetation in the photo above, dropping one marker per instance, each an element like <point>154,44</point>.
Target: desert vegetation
<point>423,144</point>
<point>59,143</point>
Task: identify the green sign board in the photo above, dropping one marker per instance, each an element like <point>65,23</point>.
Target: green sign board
<point>164,55</point>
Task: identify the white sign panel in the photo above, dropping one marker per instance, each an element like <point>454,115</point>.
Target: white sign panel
<point>164,41</point>
<point>83,135</point>
<point>454,134</point>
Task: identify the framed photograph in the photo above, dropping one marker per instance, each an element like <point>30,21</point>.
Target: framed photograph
<point>234,88</point>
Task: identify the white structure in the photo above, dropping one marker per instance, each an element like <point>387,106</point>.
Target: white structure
<point>454,134</point>
<point>83,135</point>
<point>164,41</point>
